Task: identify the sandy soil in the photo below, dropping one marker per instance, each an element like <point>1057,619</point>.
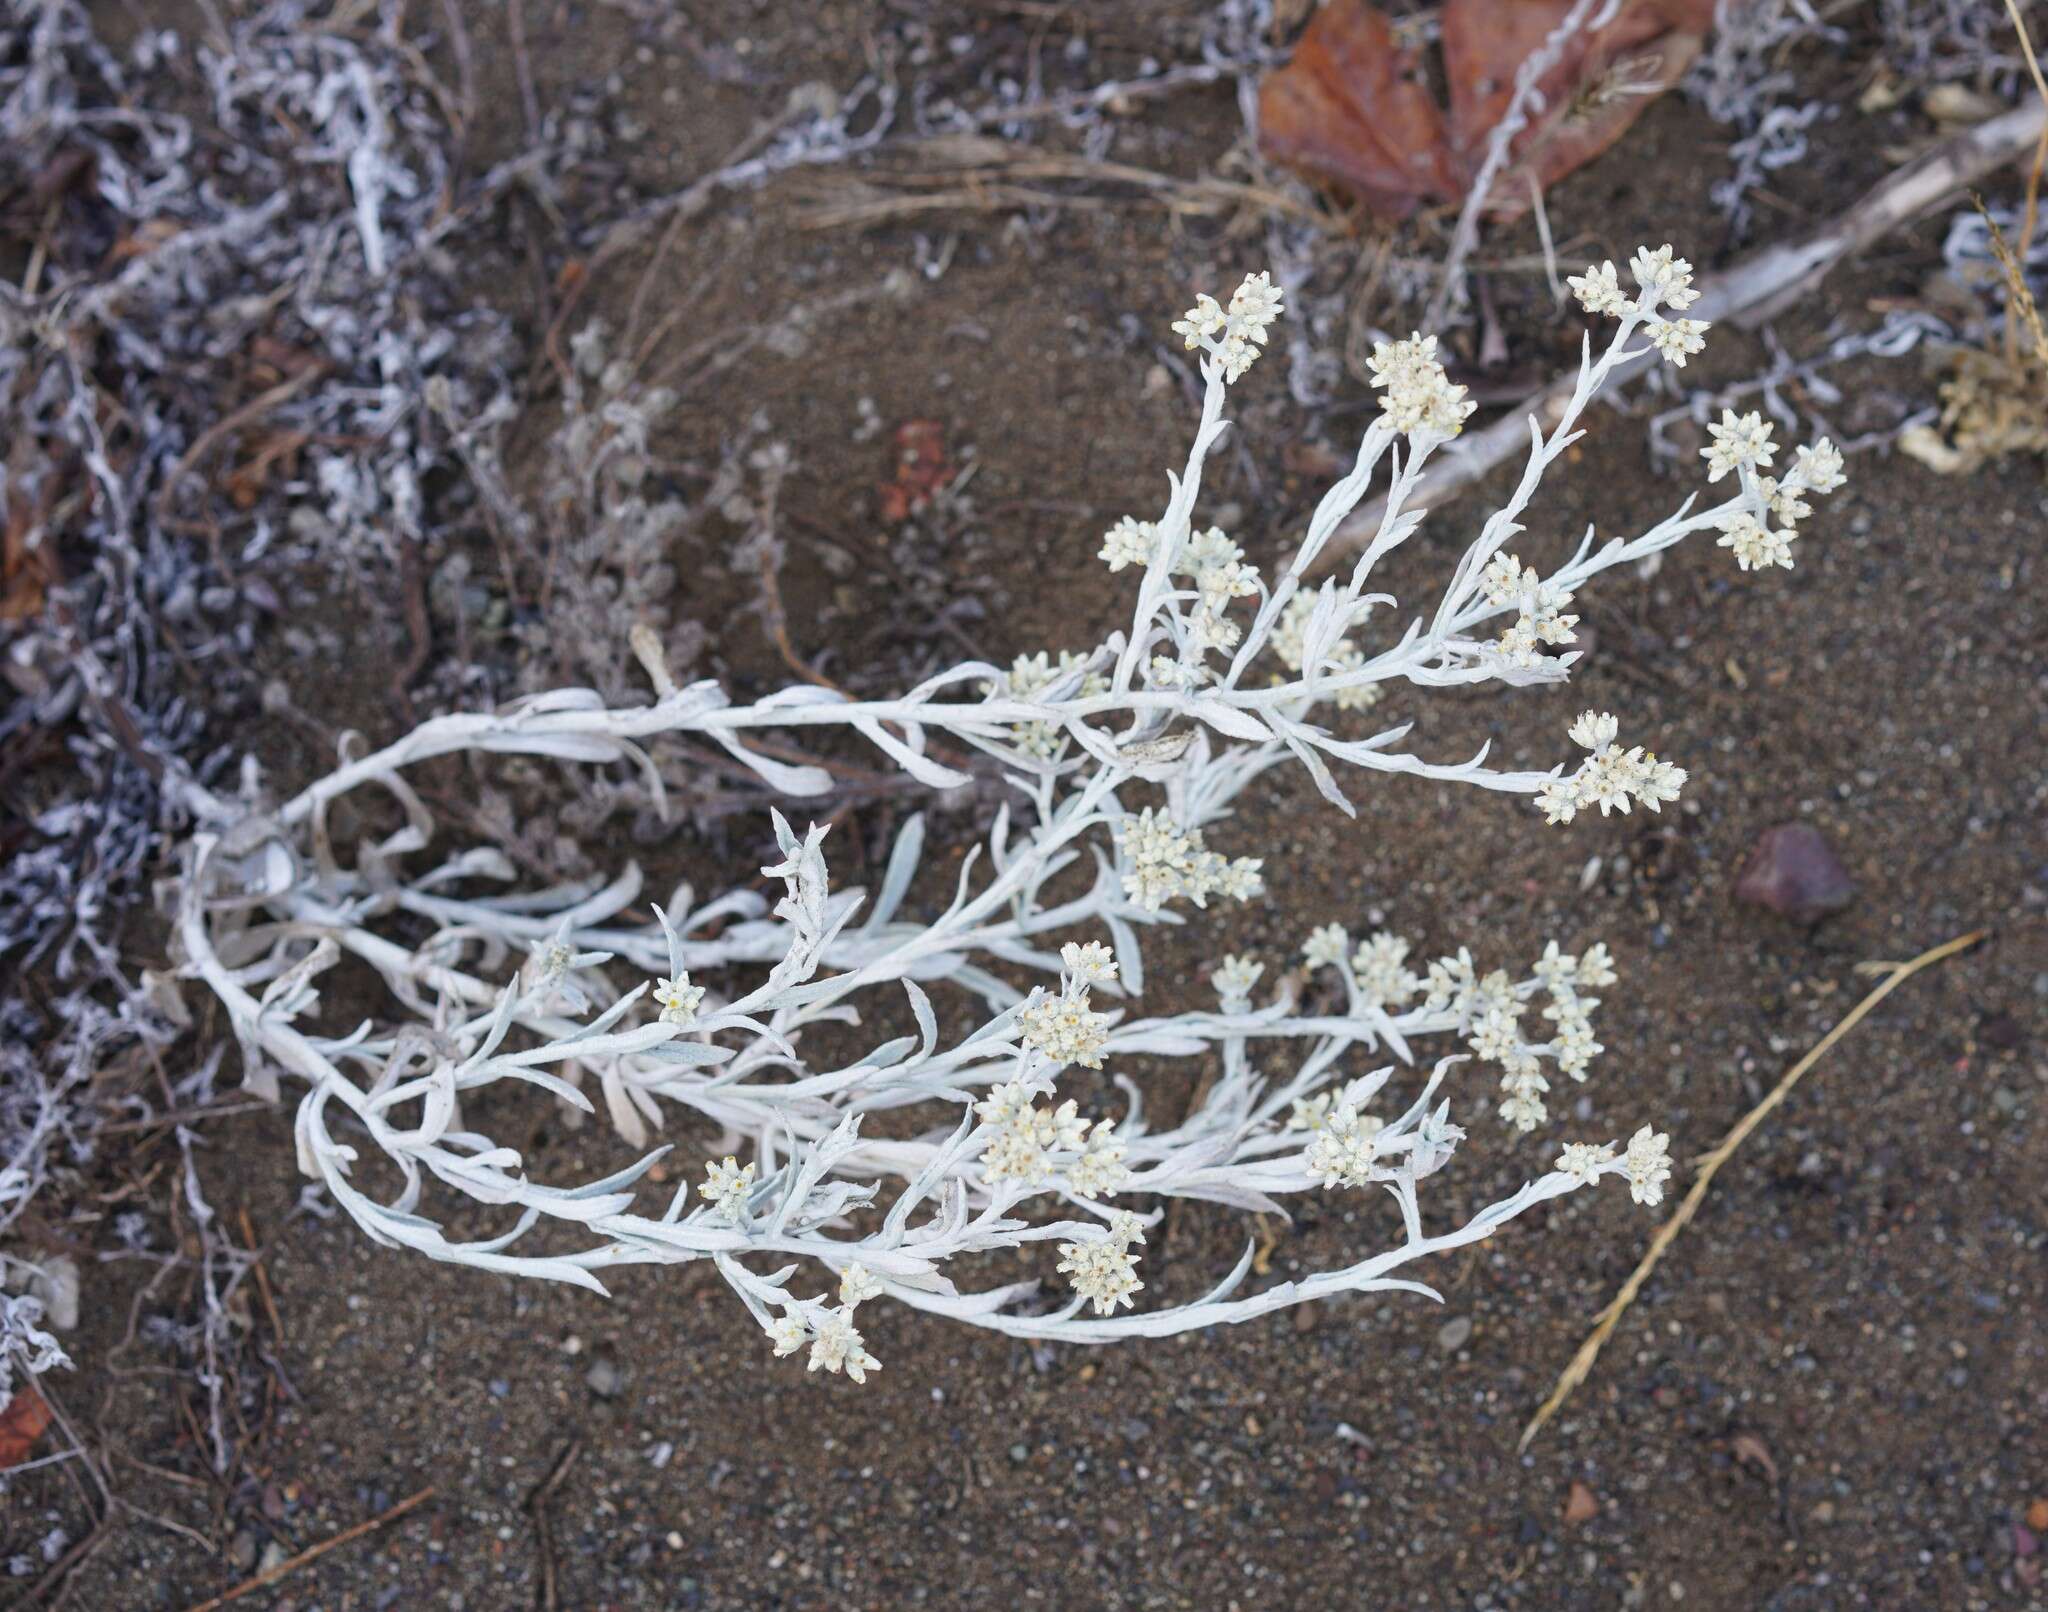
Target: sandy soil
<point>1834,1394</point>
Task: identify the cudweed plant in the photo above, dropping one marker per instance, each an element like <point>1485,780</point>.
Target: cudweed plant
<point>1120,763</point>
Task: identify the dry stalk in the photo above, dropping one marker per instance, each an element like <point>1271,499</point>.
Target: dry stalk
<point>970,173</point>
<point>1896,974</point>
<point>263,1580</point>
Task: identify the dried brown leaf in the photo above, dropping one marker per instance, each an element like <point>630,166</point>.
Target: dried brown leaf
<point>22,1422</point>
<point>1351,109</point>
<point>1599,85</point>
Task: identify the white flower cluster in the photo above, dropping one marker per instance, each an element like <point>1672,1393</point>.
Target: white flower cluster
<point>1167,862</point>
<point>1418,396</point>
<point>1235,979</point>
<point>679,999</point>
<point>1489,1010</point>
<point>1216,567</point>
<point>1664,281</point>
<point>902,1170</point>
<point>727,1184</point>
<point>1290,645</point>
<point>835,1342</point>
<point>1761,533</point>
<point>1610,777</point>
<point>1029,677</point>
<point>1235,335</point>
<point>1380,969</point>
<point>1539,609</point>
<point>1103,1270</point>
<point>1570,1043</point>
<point>1739,443</point>
<point>1062,1027</point>
<point>1025,1143</point>
<point>1646,1164</point>
<point>1343,1149</point>
<point>1020,1138</point>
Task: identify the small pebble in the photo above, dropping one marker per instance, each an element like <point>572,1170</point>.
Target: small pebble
<point>1795,873</point>
<point>2002,1033</point>
<point>1454,1334</point>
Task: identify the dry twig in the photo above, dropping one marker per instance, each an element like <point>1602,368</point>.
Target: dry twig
<point>973,173</point>
<point>537,1507</point>
<point>2014,275</point>
<point>1896,974</point>
<point>263,1580</point>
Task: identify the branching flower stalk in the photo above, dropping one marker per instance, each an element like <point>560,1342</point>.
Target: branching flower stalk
<point>1122,762</point>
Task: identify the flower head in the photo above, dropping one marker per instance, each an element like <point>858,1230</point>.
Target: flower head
<point>1099,1171</point>
<point>1540,608</point>
<point>1064,1029</point>
<point>1595,730</point>
<point>1755,546</point>
<point>1782,499</point>
<point>1595,970</point>
<point>1029,677</point>
<point>1739,442</point>
<point>1089,961</point>
<point>1647,1164</point>
<point>1104,1273</point>
<point>857,1284</point>
<point>726,1185</point>
<point>1167,863</point>
<point>838,1346</point>
<point>1256,304</point>
<point>679,999</point>
<point>1523,1107</point>
<point>1311,1113</point>
<point>1819,467</point>
<point>1326,945</point>
<point>1583,1161</point>
<point>1677,339</point>
<point>1665,279</point>
<point>1610,778</point>
<point>1129,542</point>
<point>1418,396</point>
<point>1342,1149</point>
<point>1201,322</point>
<point>1380,968</point>
<point>1236,335</point>
<point>1021,1139</point>
<point>1456,985</point>
<point>1234,978</point>
<point>1599,291</point>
